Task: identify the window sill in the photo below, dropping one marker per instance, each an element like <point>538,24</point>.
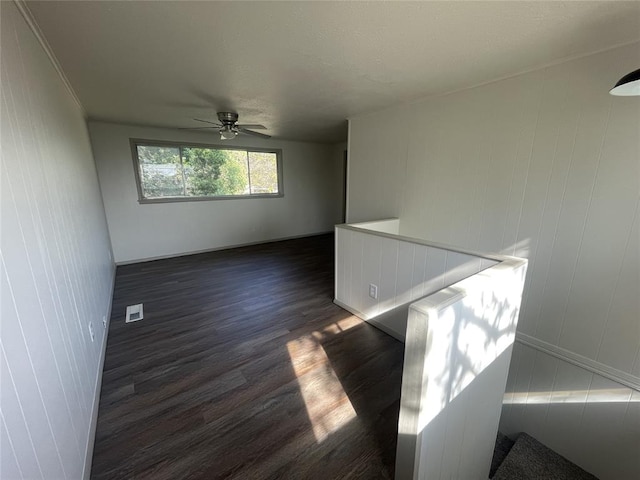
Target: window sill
<point>143,201</point>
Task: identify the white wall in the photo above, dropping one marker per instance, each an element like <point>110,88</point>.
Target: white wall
<point>403,271</point>
<point>56,269</point>
<point>544,166</point>
<point>377,165</point>
<point>582,415</point>
<point>389,225</point>
<point>140,231</point>
<point>338,155</point>
<point>458,347</point>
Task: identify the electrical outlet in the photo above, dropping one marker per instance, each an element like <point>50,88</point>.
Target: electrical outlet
<point>91,332</point>
<point>104,322</point>
<point>373,291</point>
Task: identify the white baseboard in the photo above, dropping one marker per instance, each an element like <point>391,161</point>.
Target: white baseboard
<point>86,473</point>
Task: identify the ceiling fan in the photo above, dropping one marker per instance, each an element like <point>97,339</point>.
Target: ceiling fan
<point>229,127</point>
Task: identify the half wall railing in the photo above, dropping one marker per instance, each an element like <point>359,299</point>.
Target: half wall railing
<point>457,313</point>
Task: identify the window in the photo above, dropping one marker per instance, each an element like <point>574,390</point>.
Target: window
<point>169,172</point>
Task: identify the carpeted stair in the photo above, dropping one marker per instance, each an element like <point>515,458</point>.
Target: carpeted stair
<point>528,459</point>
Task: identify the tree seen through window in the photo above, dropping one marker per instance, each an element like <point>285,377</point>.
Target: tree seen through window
<point>188,171</point>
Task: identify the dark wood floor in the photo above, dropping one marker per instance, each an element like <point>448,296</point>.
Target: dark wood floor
<point>243,368</point>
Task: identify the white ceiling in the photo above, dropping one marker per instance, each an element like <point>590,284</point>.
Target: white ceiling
<point>302,68</point>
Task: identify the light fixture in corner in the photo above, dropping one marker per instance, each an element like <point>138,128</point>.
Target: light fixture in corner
<point>228,132</point>
<point>627,86</point>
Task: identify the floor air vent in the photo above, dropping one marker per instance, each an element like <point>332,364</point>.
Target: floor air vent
<point>134,313</point>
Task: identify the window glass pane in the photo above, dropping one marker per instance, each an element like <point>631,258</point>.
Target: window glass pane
<point>160,171</point>
<point>263,168</point>
<point>203,172</point>
<point>213,172</point>
<point>234,178</point>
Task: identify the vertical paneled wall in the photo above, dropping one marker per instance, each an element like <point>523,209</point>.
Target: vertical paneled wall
<point>586,417</point>
<point>403,272</point>
<point>458,347</point>
<point>55,267</point>
<point>545,166</point>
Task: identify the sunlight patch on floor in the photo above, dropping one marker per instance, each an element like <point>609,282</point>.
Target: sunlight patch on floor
<point>328,405</point>
<point>342,325</point>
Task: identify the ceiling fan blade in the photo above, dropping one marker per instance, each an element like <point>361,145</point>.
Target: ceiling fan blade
<point>254,126</point>
<point>207,121</point>
<point>194,128</point>
<point>255,134</point>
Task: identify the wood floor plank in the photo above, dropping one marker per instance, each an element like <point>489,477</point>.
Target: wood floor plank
<point>243,368</point>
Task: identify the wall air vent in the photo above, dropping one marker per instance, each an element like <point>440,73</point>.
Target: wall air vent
<point>134,313</point>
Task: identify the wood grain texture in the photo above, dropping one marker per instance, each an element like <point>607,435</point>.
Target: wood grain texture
<point>238,349</point>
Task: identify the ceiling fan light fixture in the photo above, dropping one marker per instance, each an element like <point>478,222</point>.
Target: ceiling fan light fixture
<point>228,133</point>
<point>228,127</point>
<point>627,86</point>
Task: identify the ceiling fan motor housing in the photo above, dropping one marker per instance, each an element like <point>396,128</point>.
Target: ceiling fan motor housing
<point>229,129</point>
<point>227,118</point>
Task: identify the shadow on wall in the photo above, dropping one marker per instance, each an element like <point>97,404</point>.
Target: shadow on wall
<point>491,320</point>
<point>591,420</point>
<point>454,430</point>
<point>606,446</point>
<point>471,333</point>
<point>459,343</point>
<point>453,272</point>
